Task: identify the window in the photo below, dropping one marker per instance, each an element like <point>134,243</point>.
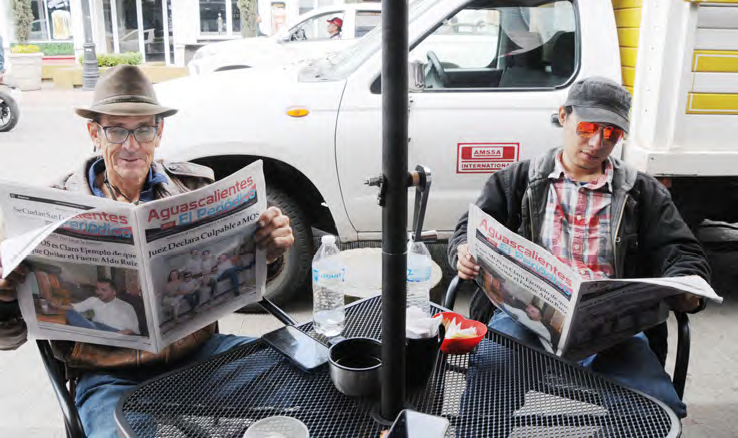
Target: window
<point>235,17</point>
<point>213,17</point>
<point>39,31</point>
<point>366,21</point>
<point>52,20</point>
<point>489,46</point>
<point>314,29</point>
<point>59,19</point>
<point>308,5</point>
<point>127,22</point>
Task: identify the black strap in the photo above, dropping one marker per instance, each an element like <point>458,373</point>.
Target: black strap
<point>9,310</point>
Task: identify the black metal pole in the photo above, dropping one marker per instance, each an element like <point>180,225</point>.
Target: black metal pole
<point>394,212</point>
<point>90,69</point>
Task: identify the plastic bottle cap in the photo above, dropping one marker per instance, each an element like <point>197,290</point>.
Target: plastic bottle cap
<point>328,239</point>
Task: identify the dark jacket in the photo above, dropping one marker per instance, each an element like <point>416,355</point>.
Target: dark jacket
<point>650,238</point>
<point>183,177</point>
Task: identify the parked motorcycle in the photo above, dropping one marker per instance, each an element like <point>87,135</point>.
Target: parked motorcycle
<point>9,109</point>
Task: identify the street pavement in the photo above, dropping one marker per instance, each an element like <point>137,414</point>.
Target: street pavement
<point>50,141</point>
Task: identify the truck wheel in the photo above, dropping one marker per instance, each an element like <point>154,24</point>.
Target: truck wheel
<point>294,276</point>
<point>8,112</point>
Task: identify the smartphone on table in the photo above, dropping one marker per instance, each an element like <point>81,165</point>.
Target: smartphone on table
<point>301,349</point>
<point>414,424</point>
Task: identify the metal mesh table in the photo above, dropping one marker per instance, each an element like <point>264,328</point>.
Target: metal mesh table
<point>500,389</point>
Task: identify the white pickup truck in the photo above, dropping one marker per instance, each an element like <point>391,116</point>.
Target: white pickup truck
<point>307,39</point>
<point>493,74</point>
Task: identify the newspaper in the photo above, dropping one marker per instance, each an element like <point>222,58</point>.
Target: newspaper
<point>140,277</point>
<point>572,316</point>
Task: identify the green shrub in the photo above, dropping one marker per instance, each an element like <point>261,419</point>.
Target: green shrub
<point>48,49</point>
<point>56,49</point>
<point>28,48</point>
<point>113,59</point>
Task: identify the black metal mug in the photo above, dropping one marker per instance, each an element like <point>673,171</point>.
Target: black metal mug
<point>421,356</point>
<point>355,364</point>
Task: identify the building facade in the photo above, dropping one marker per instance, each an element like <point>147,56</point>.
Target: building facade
<point>161,30</point>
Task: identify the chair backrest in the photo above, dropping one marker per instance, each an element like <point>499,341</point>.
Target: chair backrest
<point>63,388</point>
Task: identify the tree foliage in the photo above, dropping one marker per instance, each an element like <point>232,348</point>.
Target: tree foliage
<point>22,19</point>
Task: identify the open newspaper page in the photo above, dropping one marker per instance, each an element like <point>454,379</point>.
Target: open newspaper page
<point>576,317</point>
<point>523,279</point>
<point>201,252</point>
<point>86,276</point>
<point>610,311</point>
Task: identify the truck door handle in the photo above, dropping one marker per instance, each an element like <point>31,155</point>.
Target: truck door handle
<point>555,120</point>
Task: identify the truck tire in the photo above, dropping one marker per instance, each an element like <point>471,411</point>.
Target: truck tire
<point>9,112</point>
<point>294,276</point>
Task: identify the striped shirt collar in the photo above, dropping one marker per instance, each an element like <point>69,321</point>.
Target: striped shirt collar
<point>605,179</point>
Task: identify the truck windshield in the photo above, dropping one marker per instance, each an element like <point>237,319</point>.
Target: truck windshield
<point>339,65</point>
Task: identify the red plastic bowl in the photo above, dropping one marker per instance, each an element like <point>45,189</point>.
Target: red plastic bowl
<point>462,345</point>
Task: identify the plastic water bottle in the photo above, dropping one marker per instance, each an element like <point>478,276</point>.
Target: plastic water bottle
<point>328,277</point>
<point>418,276</point>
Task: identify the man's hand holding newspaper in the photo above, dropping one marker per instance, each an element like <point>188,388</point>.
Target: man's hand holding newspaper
<point>576,316</point>
<point>465,266</point>
<point>99,271</point>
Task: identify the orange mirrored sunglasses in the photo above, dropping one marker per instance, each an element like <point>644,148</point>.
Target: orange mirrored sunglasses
<point>609,132</point>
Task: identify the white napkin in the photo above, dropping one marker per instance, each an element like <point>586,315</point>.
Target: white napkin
<point>419,325</point>
<point>454,330</point>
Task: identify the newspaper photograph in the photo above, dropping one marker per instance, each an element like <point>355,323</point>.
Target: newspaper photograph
<point>202,253</point>
<point>141,276</point>
<point>572,317</point>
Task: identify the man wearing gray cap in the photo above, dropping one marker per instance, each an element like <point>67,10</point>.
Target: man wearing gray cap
<point>599,216</point>
<point>125,124</point>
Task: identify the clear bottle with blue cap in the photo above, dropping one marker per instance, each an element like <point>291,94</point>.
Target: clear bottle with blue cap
<point>329,275</point>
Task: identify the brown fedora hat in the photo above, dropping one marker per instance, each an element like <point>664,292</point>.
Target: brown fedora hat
<point>124,90</point>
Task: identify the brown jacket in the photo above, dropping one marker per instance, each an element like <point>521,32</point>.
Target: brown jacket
<point>183,177</point>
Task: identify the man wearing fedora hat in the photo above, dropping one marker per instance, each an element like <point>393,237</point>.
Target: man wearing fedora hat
<point>125,125</point>
<point>599,216</point>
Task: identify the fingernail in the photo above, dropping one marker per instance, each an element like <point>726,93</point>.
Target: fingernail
<point>261,223</point>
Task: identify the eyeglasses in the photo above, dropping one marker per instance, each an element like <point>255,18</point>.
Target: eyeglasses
<point>119,134</point>
<point>609,133</point>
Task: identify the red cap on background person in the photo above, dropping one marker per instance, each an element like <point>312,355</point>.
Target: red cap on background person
<point>337,21</point>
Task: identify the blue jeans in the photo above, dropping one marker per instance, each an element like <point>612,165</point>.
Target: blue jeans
<point>75,319</point>
<point>98,392</point>
<point>631,362</point>
<point>232,274</point>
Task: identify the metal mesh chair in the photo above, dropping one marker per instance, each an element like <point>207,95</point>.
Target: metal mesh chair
<point>64,388</point>
<point>64,383</point>
<point>657,337</point>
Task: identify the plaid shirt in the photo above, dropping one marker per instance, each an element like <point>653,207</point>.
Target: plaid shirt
<point>577,226</point>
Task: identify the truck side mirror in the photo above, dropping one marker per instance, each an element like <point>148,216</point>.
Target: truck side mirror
<point>416,76</point>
